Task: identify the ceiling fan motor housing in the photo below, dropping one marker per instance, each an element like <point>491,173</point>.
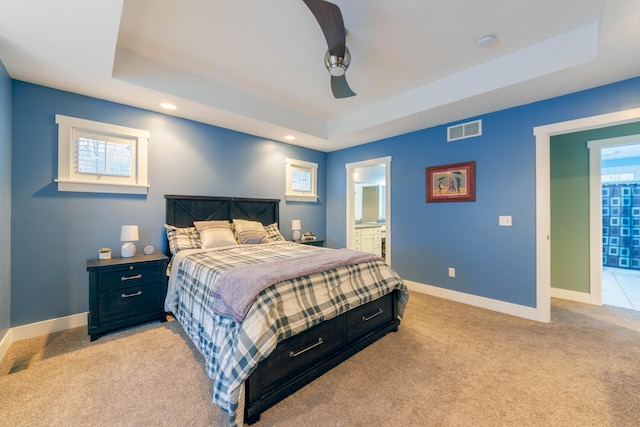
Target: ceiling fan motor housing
<point>337,65</point>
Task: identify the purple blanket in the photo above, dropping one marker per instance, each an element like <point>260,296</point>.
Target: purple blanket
<point>236,289</point>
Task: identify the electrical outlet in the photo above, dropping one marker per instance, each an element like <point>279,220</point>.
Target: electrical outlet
<point>452,272</point>
<point>504,220</point>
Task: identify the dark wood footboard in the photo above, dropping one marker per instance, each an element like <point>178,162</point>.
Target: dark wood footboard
<point>304,357</point>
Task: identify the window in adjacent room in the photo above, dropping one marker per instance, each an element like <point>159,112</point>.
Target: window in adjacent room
<point>302,184</point>
<point>101,158</point>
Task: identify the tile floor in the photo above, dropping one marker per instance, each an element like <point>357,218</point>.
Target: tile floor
<point>621,288</point>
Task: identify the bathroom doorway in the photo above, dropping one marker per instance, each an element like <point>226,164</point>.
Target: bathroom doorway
<point>369,206</point>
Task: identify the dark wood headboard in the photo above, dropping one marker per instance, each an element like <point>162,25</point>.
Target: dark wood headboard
<point>181,211</point>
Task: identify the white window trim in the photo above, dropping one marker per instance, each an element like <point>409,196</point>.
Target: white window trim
<point>301,196</point>
<point>67,178</point>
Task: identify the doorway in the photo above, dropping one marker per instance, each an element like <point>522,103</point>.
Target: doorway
<point>620,208</point>
<point>543,136</point>
<point>369,206</point>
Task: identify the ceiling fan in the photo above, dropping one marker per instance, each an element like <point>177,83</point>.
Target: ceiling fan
<point>337,58</point>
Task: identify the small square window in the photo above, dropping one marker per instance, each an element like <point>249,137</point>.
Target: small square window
<point>302,181</point>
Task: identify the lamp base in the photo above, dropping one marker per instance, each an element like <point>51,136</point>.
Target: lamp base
<point>296,234</point>
<point>128,250</point>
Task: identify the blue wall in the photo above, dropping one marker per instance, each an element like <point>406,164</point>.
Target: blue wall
<point>5,201</point>
<point>54,233</point>
<point>427,238</point>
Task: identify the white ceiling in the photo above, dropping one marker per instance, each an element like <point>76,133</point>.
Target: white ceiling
<point>257,66</point>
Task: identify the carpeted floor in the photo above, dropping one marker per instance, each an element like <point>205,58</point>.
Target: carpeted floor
<point>449,365</point>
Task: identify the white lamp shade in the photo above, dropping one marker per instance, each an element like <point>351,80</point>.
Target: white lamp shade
<point>129,233</point>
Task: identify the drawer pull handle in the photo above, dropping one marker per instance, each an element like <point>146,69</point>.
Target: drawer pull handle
<point>135,294</point>
<point>304,350</point>
<point>137,276</point>
<point>367,318</point>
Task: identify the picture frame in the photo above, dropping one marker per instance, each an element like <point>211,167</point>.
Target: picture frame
<point>452,183</point>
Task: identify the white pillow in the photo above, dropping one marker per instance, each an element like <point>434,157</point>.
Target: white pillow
<point>214,234</point>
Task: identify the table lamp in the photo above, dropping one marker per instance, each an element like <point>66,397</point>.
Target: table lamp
<point>296,226</point>
<point>128,234</point>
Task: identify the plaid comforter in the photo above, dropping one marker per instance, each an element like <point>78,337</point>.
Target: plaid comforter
<point>232,349</point>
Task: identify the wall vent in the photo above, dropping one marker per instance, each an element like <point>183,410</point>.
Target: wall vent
<point>464,130</point>
<point>21,363</point>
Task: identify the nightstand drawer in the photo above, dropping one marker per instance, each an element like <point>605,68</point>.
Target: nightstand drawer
<point>129,302</point>
<point>128,276</point>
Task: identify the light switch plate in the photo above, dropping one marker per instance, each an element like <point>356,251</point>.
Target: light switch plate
<point>504,220</point>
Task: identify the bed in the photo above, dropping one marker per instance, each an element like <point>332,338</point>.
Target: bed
<point>315,314</point>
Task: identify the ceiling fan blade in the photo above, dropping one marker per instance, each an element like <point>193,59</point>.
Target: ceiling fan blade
<point>330,19</point>
<point>340,87</point>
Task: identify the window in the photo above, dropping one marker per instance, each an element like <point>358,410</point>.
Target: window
<point>101,158</point>
<point>302,181</point>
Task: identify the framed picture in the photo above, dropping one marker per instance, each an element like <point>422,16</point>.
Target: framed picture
<point>452,183</point>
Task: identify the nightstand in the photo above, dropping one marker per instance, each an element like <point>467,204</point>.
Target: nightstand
<point>126,291</point>
<point>316,242</point>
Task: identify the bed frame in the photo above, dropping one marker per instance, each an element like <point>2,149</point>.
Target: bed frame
<point>302,358</point>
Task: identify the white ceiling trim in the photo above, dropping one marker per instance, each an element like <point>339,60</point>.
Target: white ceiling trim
<point>558,53</point>
<point>165,78</point>
<point>257,68</point>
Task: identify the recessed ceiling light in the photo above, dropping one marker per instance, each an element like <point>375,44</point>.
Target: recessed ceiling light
<point>168,106</point>
<point>289,138</point>
<point>485,40</point>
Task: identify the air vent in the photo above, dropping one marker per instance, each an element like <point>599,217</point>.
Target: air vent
<point>464,130</point>
<point>21,363</point>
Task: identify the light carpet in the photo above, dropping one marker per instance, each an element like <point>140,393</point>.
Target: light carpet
<point>448,365</point>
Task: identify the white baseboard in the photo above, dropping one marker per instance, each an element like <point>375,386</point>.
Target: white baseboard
<point>571,295</point>
<point>48,326</point>
<point>476,301</point>
<point>5,343</point>
<point>76,320</point>
<point>32,330</point>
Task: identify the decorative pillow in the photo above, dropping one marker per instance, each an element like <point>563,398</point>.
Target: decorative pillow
<point>273,233</point>
<point>249,231</point>
<point>252,237</point>
<point>182,238</point>
<point>215,233</point>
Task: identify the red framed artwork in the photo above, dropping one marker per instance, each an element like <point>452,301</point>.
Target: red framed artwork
<point>452,183</point>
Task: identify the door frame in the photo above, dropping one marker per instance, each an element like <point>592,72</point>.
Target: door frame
<point>351,189</point>
<point>543,136</point>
